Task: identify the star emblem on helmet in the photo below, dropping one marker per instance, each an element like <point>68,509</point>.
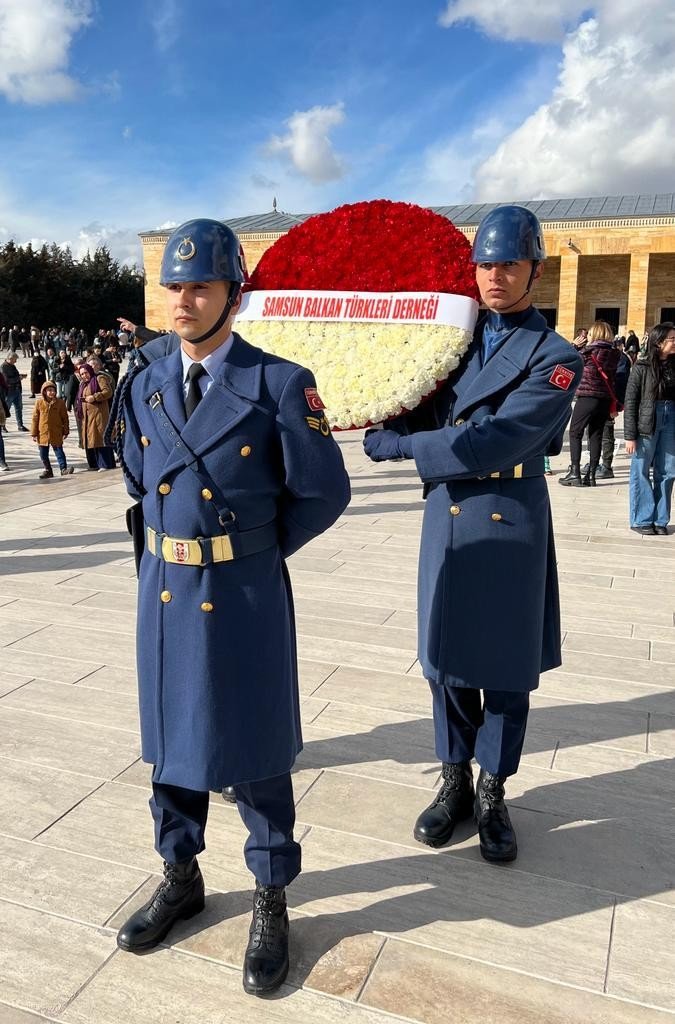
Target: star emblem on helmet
<point>187,249</point>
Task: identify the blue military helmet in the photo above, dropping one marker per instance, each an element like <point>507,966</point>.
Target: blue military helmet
<point>205,250</point>
<point>508,233</point>
<point>202,250</point>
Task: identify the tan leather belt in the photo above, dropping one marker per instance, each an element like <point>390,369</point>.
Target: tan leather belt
<point>204,550</point>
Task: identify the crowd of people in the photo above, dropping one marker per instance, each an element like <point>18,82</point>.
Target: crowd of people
<point>71,375</point>
<point>66,375</point>
<point>638,378</point>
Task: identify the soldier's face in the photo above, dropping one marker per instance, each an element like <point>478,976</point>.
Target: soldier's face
<point>502,286</point>
<point>194,307</point>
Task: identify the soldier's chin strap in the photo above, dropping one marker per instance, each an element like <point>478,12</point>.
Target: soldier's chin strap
<point>235,288</point>
<point>535,264</point>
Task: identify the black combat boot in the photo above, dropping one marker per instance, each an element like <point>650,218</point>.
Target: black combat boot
<point>47,473</point>
<point>178,897</point>
<point>228,795</point>
<point>588,479</point>
<point>573,478</point>
<point>495,831</point>
<point>266,958</point>
<point>453,803</point>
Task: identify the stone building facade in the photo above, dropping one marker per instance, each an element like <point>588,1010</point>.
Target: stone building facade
<point>609,258</point>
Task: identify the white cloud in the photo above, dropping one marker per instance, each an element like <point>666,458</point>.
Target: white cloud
<point>544,21</point>
<point>307,144</point>
<point>608,125</point>
<point>124,243</point>
<point>35,38</point>
<point>165,23</point>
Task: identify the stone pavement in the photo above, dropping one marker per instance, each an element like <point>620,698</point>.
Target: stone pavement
<point>579,929</point>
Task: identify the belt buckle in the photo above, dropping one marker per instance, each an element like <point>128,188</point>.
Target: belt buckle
<point>155,400</point>
<point>181,552</point>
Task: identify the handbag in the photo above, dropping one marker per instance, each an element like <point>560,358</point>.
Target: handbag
<point>615,406</point>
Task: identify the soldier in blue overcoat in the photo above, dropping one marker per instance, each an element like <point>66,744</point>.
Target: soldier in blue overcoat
<point>488,608</point>
<point>235,468</point>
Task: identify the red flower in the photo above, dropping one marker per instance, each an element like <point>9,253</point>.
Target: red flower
<point>378,246</point>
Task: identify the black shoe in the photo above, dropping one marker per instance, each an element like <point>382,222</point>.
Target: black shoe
<point>588,478</point>
<point>495,831</point>
<point>228,795</point>
<point>662,531</point>
<point>46,474</point>
<point>266,958</point>
<point>178,897</point>
<point>67,471</point>
<point>25,429</point>
<point>573,478</point>
<point>646,531</point>
<point>604,473</point>
<point>453,803</point>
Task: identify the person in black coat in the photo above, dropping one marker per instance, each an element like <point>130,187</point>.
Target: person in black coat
<point>605,471</point>
<point>595,396</point>
<point>39,368</point>
<point>649,429</point>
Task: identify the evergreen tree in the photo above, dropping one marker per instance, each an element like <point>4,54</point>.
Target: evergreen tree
<point>49,288</point>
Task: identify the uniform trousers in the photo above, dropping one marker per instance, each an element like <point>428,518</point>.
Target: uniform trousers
<point>492,729</point>
<point>266,808</point>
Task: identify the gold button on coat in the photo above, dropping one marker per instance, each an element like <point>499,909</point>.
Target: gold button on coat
<point>246,450</point>
<point>496,517</point>
<point>455,510</point>
<point>145,441</point>
<point>458,423</point>
<point>207,606</point>
<point>206,494</point>
<point>165,596</point>
<point>164,488</point>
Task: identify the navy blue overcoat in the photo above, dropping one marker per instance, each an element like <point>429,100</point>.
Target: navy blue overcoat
<point>217,668</point>
<point>488,606</point>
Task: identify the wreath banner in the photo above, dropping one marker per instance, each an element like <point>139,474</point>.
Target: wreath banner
<point>360,307</point>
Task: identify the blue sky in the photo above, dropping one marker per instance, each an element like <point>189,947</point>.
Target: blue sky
<point>120,116</point>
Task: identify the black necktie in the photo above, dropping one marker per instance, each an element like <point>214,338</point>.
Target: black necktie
<point>194,392</point>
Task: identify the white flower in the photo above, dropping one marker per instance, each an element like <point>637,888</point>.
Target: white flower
<point>365,372</point>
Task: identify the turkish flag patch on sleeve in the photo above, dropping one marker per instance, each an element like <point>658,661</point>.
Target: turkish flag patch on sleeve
<point>561,377</point>
<point>314,400</point>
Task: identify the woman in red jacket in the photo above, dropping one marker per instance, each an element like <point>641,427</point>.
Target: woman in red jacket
<point>594,399</point>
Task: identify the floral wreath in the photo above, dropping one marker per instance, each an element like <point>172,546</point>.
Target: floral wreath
<point>378,299</point>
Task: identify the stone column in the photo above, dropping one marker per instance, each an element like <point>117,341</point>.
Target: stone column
<point>567,297</point>
<point>636,316</point>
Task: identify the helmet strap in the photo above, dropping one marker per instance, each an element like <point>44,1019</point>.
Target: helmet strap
<point>235,288</point>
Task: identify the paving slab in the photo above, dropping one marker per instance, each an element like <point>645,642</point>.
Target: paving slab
<point>379,924</point>
<point>173,986</point>
<point>457,905</point>
<point>32,796</point>
<point>438,988</point>
<point>45,960</point>
<point>644,979</point>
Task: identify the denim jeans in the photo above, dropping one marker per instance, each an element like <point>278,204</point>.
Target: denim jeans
<point>650,499</point>
<point>58,452</point>
<point>15,401</point>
